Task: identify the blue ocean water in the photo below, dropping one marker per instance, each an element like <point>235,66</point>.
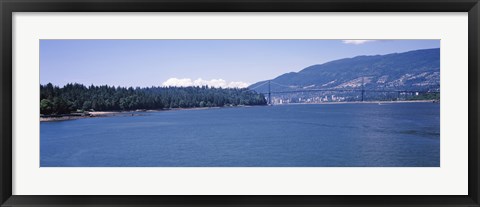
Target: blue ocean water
<point>328,135</point>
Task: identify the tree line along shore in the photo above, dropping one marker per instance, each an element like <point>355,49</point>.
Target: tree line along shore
<point>81,100</point>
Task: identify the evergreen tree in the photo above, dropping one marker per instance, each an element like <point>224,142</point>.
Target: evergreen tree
<point>77,97</point>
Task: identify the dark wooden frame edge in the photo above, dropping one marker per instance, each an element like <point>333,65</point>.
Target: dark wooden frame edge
<point>7,7</point>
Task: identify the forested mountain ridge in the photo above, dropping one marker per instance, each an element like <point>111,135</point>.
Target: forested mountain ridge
<point>77,97</point>
<point>413,70</point>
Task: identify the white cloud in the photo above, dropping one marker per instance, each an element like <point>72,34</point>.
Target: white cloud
<point>357,42</point>
<point>178,82</point>
<point>238,84</point>
<point>217,83</point>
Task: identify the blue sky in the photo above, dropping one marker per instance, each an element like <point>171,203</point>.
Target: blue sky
<point>226,63</point>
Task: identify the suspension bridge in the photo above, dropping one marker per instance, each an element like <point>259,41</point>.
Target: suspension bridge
<point>362,90</point>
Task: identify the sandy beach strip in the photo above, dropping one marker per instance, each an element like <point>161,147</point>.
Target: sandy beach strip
<point>93,114</point>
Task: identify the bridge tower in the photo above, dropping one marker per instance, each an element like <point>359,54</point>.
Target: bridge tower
<point>269,94</point>
<point>363,88</point>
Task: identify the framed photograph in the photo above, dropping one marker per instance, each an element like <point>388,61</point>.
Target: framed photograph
<point>239,103</point>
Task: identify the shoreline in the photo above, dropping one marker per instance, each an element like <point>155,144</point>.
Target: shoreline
<point>99,114</point>
<point>96,114</point>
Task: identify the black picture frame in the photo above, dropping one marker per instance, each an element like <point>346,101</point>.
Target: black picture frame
<point>9,6</point>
